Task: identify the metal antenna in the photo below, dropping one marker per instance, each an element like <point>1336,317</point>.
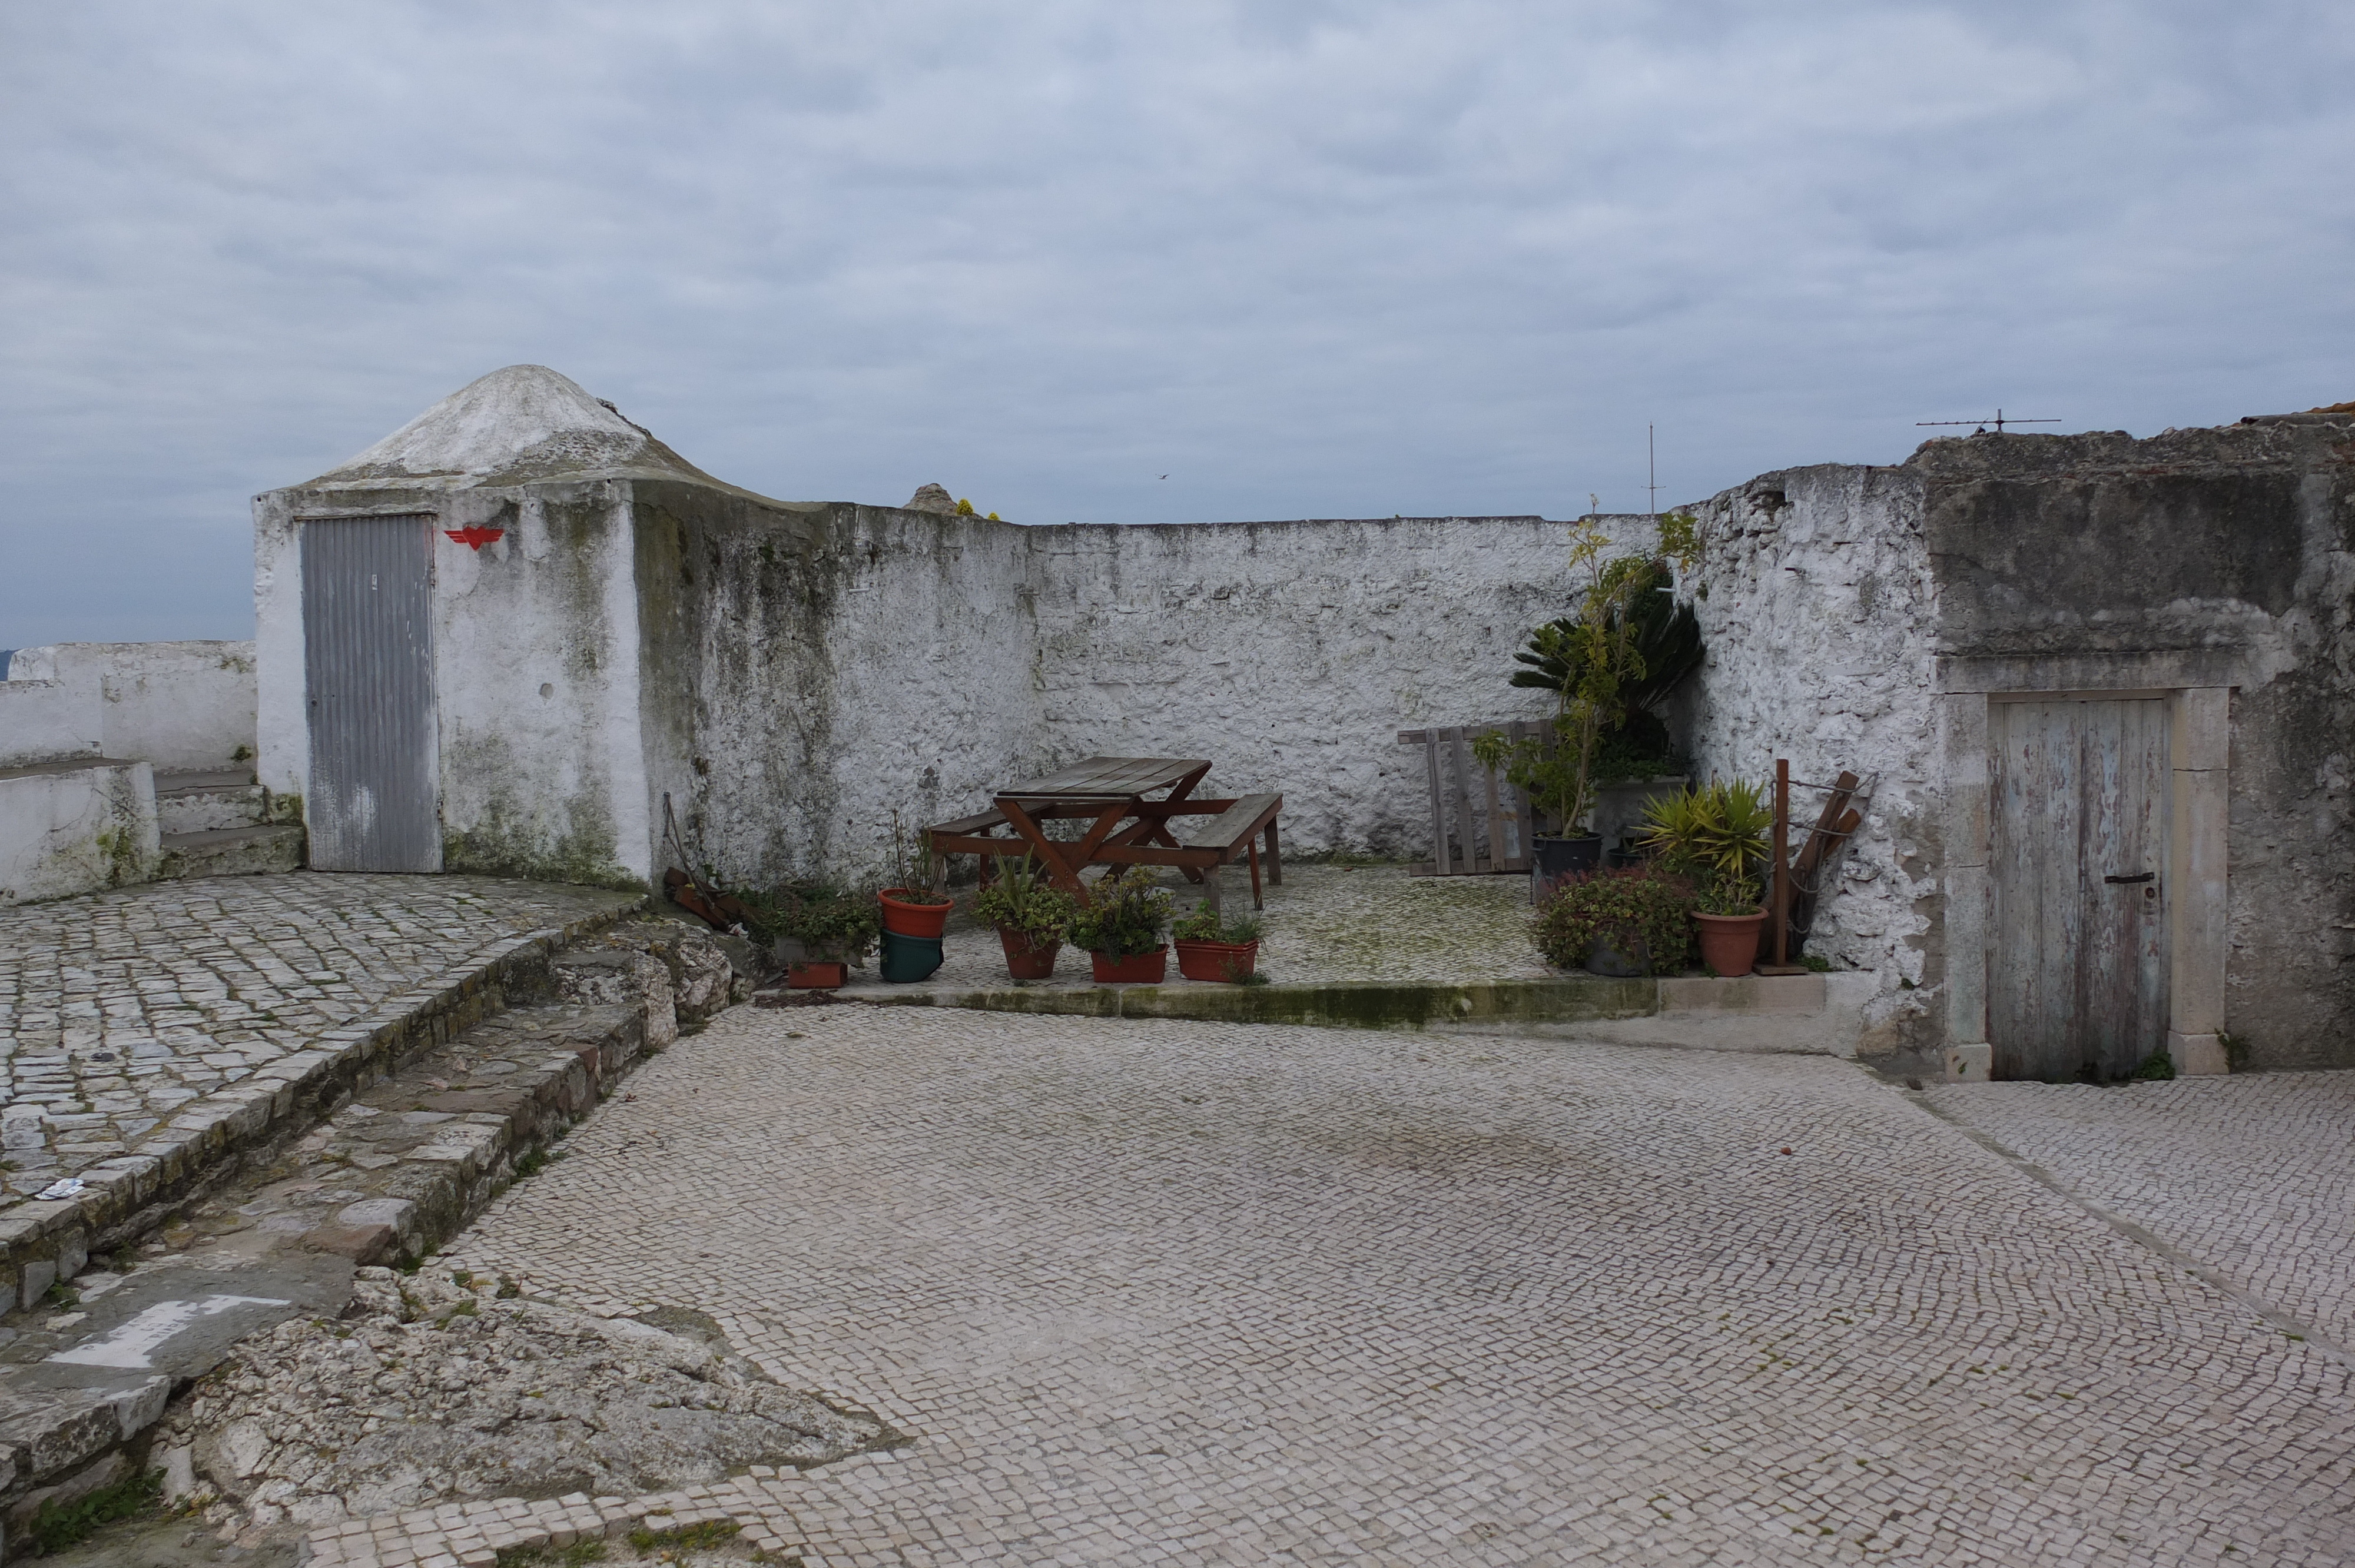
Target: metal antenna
<point>1999,422</point>
<point>1652,465</point>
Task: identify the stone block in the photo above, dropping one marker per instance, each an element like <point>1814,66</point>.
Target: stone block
<point>38,1275</point>
<point>1970,1064</point>
<point>2197,1056</point>
<point>1745,993</point>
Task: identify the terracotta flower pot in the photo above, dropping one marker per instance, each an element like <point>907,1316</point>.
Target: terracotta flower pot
<point>1026,960</point>
<point>1728,943</point>
<point>1137,969</point>
<point>1228,961</point>
<point>908,913</point>
<point>813,975</point>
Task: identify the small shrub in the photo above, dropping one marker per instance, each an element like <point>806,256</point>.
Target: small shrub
<point>1124,917</point>
<point>1021,899</point>
<point>1206,924</point>
<point>1639,911</point>
<point>1817,962</point>
<point>2159,1066</point>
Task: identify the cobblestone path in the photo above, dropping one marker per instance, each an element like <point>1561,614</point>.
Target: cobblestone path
<point>1198,1293</point>
<point>118,1007</point>
<point>2252,1176</point>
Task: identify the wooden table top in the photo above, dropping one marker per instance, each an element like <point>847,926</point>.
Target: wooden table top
<point>1106,778</point>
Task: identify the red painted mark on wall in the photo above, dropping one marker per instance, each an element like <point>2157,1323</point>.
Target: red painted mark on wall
<point>477,537</point>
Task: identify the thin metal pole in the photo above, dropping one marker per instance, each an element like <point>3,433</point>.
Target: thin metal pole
<point>1782,862</point>
<point>1652,471</point>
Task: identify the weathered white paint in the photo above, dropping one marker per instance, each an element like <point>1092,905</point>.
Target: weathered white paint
<point>46,721</point>
<point>131,1346</point>
<point>184,706</point>
<point>792,674</point>
<point>76,826</point>
<point>1817,607</point>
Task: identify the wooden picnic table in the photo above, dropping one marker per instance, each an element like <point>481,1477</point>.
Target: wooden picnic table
<point>1123,827</point>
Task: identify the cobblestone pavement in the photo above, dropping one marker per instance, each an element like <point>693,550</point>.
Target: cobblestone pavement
<point>2252,1176</point>
<point>1200,1293</point>
<point>118,1007</point>
<point>1327,925</point>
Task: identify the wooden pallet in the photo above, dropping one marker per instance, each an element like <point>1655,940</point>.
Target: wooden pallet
<point>1479,824</point>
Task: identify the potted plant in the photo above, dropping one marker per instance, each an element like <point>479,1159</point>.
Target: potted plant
<point>1618,923</point>
<point>1716,835</point>
<point>1031,915</point>
<point>1121,928</point>
<point>914,905</point>
<point>1598,662</point>
<point>1210,949</point>
<point>819,932</point>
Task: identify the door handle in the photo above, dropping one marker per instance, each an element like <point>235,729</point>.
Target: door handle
<point>2139,877</point>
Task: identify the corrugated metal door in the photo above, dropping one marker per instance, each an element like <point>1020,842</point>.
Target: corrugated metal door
<point>2078,982</point>
<point>368,650</point>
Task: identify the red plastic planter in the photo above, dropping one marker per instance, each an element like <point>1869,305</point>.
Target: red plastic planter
<point>1216,960</point>
<point>1728,943</point>
<point>907,913</point>
<point>1138,968</point>
<point>816,976</point>
<point>1025,960</point>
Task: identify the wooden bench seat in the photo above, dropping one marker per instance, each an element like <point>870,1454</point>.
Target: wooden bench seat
<point>1233,834</point>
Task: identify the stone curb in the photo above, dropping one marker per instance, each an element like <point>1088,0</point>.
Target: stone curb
<point>41,1242</point>
<point>1363,1006</point>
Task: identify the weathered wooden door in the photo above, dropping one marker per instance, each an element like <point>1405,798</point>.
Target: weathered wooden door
<point>2077,988</point>
<point>367,652</point>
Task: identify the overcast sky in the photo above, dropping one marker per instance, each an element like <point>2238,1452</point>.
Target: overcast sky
<point>1306,259</point>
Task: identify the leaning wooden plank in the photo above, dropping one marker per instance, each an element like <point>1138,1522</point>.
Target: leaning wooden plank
<point>1465,820</point>
<point>1524,824</point>
<point>1438,804</point>
<point>1497,854</point>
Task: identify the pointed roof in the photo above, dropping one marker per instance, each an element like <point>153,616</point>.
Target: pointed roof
<point>515,426</point>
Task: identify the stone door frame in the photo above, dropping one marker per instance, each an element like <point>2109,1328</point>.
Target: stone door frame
<point>2198,691</point>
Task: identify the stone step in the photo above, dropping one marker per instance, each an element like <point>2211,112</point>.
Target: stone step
<point>208,802</point>
<point>231,852</point>
<point>375,1160</point>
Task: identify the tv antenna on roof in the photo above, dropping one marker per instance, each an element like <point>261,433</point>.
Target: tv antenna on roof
<point>1652,462</point>
<point>1998,422</point>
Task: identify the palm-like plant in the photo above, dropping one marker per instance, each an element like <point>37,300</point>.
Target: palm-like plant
<point>1716,834</point>
<point>1663,636</point>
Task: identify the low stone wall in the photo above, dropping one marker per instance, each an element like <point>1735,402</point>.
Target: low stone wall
<point>75,827</point>
<point>183,706</point>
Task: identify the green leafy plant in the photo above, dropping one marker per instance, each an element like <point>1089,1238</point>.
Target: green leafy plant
<point>56,1526</point>
<point>834,925</point>
<point>1124,915</point>
<point>1024,900</point>
<point>1609,664</point>
<point>1715,834</point>
<point>1644,912</point>
<point>1206,924</point>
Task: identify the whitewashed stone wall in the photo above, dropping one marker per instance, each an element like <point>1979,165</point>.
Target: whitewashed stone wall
<point>1817,608</point>
<point>1291,654</point>
<point>183,706</point>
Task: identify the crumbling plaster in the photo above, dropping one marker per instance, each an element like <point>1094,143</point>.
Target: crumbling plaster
<point>1816,602</point>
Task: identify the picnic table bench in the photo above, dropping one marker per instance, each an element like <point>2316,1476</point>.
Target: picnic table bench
<point>1124,828</point>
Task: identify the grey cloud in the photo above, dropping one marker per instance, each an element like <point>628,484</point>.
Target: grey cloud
<point>1305,259</point>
